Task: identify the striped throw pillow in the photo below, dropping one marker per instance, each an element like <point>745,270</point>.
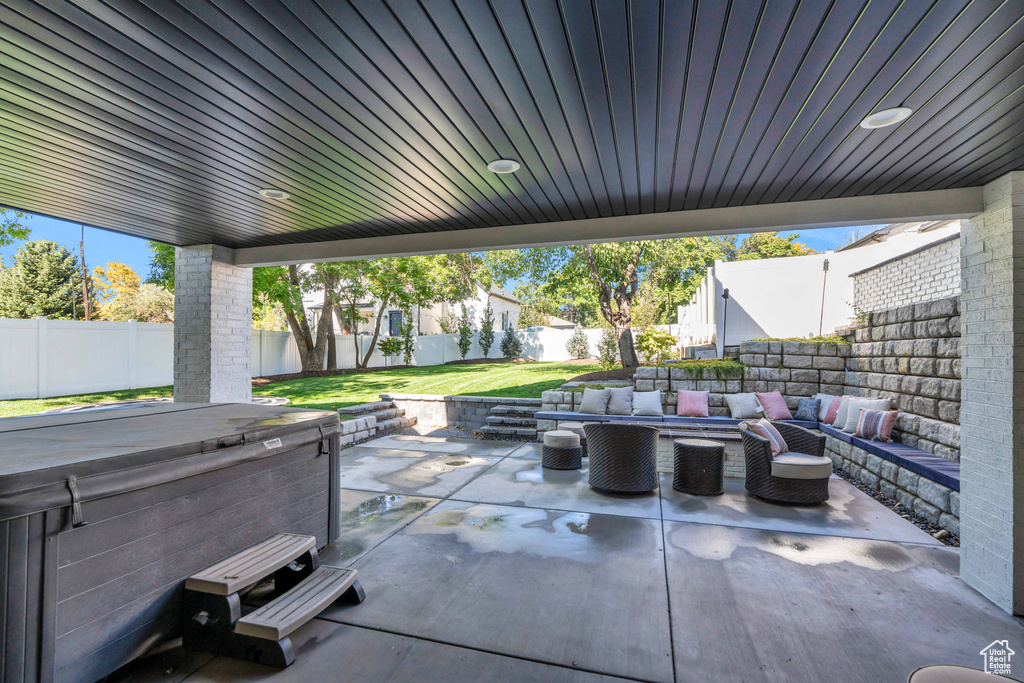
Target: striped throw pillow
<point>766,430</point>
<point>833,410</point>
<point>876,425</point>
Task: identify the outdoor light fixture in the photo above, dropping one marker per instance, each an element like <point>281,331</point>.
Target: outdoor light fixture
<point>886,117</point>
<point>274,194</point>
<point>503,166</point>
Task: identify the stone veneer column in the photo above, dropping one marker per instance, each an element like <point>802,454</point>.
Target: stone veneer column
<point>992,401</point>
<point>212,326</point>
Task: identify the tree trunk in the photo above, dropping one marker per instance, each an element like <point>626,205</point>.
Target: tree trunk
<point>376,332</point>
<point>627,352</point>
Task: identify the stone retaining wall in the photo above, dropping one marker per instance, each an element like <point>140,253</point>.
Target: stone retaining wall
<point>795,369</point>
<point>937,503</point>
<point>358,429</point>
<point>911,355</point>
<point>469,412</point>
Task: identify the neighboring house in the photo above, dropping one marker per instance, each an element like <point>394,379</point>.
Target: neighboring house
<point>795,297</point>
<point>559,323</point>
<point>426,319</point>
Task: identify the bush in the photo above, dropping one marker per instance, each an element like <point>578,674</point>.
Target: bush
<point>511,346</point>
<point>391,346</point>
<point>486,338</point>
<point>608,349</point>
<point>408,343</point>
<point>578,345</point>
<point>465,333</point>
<point>653,345</point>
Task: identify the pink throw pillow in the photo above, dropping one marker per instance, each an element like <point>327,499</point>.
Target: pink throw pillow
<point>692,403</point>
<point>876,424</point>
<point>766,430</point>
<point>774,406</point>
<point>833,410</point>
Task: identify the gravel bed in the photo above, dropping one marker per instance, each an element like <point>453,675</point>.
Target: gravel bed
<point>900,510</point>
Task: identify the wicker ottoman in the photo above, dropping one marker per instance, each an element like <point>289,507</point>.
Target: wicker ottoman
<point>698,467</point>
<point>577,429</point>
<point>623,457</point>
<point>561,451</point>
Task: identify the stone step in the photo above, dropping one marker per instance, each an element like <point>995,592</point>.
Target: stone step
<point>522,411</point>
<point>395,423</point>
<point>521,432</point>
<point>387,414</point>
<point>506,421</point>
<point>364,408</point>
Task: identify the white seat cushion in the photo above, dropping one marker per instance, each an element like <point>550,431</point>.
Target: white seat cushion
<point>574,427</point>
<point>560,438</point>
<point>800,466</point>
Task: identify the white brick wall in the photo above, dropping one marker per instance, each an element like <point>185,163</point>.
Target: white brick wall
<point>212,326</point>
<point>933,273</point>
<point>992,400</point>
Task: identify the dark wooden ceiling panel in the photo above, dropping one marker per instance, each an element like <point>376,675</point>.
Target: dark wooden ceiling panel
<point>379,117</point>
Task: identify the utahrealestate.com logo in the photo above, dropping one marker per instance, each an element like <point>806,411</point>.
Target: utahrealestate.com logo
<point>997,657</point>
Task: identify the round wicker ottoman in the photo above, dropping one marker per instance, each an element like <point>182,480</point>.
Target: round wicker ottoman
<point>577,429</point>
<point>561,451</point>
<point>698,467</point>
<point>623,457</point>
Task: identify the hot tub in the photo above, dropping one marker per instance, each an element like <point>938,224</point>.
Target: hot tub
<point>103,514</point>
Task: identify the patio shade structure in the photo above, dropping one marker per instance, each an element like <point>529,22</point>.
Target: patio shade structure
<point>627,119</point>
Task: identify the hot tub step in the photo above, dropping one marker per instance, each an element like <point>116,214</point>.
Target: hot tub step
<point>250,565</point>
<point>312,595</point>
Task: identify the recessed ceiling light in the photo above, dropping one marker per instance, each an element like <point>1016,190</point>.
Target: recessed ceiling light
<point>886,117</point>
<point>503,166</point>
<point>274,194</point>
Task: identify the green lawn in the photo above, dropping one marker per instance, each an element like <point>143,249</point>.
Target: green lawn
<point>481,379</point>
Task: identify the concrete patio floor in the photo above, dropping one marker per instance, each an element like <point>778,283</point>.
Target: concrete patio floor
<point>479,565</point>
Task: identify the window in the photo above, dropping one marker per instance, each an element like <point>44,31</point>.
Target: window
<point>395,323</point>
<point>504,320</point>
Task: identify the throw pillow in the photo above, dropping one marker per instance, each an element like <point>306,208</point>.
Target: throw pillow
<point>620,401</point>
<point>833,409</point>
<point>844,408</point>
<point>595,401</point>
<point>767,430</point>
<point>854,411</point>
<point>826,401</point>
<point>774,406</point>
<point>808,409</point>
<point>692,403</point>
<point>742,406</point>
<point>647,403</point>
<point>876,424</point>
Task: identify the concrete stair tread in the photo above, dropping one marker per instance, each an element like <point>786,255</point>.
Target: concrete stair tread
<point>363,409</point>
<point>385,414</point>
<point>395,423</point>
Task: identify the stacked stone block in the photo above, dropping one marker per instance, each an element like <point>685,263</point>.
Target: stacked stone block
<point>358,429</point>
<point>794,369</point>
<point>911,355</point>
<point>469,412</point>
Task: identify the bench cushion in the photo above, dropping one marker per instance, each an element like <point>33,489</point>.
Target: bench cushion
<point>801,466</point>
<point>934,467</point>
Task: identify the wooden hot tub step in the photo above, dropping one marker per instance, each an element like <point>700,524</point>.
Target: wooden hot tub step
<point>284,614</point>
<point>251,565</point>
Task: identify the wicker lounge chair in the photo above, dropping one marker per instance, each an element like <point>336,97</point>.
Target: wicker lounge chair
<point>805,468</point>
<point>623,457</point>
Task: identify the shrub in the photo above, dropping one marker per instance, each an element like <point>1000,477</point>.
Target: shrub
<point>391,346</point>
<point>511,346</point>
<point>465,333</point>
<point>608,349</point>
<point>408,343</point>
<point>653,345</point>
<point>448,322</point>
<point>578,345</point>
<point>486,337</point>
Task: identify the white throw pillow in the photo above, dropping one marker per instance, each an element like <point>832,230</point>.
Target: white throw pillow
<point>826,403</point>
<point>647,403</point>
<point>595,401</point>
<point>854,408</point>
<point>621,401</point>
<point>842,412</point>
<point>742,406</point>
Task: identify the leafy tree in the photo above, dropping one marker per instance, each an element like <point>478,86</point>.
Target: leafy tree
<point>161,265</point>
<point>486,336</point>
<point>408,343</point>
<point>125,297</point>
<point>448,322</point>
<point>42,279</point>
<point>268,314</point>
<point>531,317</point>
<point>115,280</point>
<point>391,346</point>
<point>607,349</point>
<point>12,228</point>
<point>769,245</point>
<point>465,340</point>
<point>511,345</point>
<point>654,345</point>
<point>578,345</point>
<point>564,300</point>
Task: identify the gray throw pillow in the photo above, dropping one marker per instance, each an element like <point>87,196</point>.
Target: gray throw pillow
<point>595,401</point>
<point>621,401</point>
<point>647,403</point>
<point>807,409</point>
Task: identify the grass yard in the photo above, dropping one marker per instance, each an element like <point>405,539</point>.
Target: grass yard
<point>525,380</point>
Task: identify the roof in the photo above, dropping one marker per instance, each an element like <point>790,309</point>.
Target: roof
<point>560,323</point>
<point>503,293</point>
<point>889,231</point>
<point>163,120</point>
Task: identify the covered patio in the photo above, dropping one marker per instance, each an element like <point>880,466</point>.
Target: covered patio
<point>261,133</point>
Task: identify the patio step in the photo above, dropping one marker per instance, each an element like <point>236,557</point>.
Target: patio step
<point>507,421</point>
<point>511,420</point>
<point>528,433</point>
<point>395,423</point>
<point>515,411</point>
<point>386,414</point>
<point>283,615</point>
<point>365,408</point>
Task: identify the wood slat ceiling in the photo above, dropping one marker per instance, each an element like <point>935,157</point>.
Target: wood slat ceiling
<point>163,119</point>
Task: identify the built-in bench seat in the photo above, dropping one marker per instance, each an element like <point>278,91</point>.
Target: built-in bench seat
<point>712,422</point>
<point>934,467</point>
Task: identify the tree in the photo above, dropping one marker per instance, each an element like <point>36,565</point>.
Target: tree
<point>42,279</point>
<point>12,228</point>
<point>408,343</point>
<point>769,245</point>
<point>391,346</point>
<point>511,345</point>
<point>531,317</point>
<point>125,297</point>
<point>607,349</point>
<point>578,345</point>
<point>486,337</point>
<point>465,340</point>
<point>161,265</point>
<point>654,345</point>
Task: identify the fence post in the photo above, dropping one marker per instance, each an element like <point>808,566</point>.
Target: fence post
<point>133,346</point>
<point>41,356</point>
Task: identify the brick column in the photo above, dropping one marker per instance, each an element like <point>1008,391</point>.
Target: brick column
<point>212,327</point>
<point>992,401</point>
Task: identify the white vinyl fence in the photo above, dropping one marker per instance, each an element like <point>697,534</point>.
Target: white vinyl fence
<point>41,358</point>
